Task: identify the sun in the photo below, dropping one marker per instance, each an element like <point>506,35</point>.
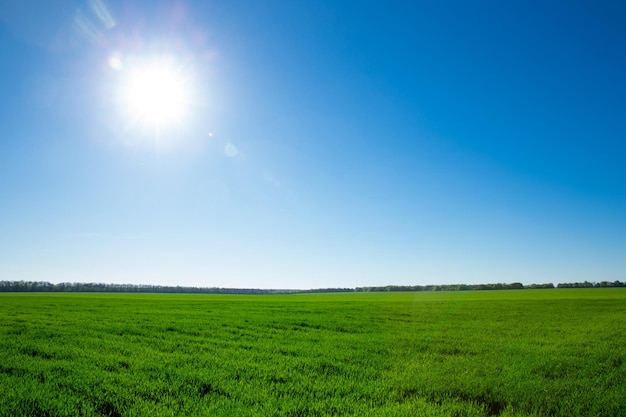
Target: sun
<point>156,94</point>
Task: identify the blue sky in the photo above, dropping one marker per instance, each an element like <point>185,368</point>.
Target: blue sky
<point>323,144</point>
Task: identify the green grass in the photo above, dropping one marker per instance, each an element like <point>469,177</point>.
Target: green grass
<point>507,353</point>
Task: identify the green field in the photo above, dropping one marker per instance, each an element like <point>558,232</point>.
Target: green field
<point>478,353</point>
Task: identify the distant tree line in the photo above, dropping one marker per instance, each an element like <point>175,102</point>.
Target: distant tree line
<point>31,286</point>
<point>41,286</point>
<point>498,286</point>
<point>453,287</point>
<point>587,284</point>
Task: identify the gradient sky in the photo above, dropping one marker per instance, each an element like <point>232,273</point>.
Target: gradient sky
<point>328,143</point>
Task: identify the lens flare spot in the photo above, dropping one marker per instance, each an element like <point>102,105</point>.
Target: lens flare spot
<point>115,62</point>
<point>230,150</point>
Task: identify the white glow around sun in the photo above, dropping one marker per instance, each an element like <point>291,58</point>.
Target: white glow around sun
<point>155,95</point>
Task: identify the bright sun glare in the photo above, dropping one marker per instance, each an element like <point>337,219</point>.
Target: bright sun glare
<point>156,95</point>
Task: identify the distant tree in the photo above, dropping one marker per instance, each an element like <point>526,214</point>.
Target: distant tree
<point>542,286</point>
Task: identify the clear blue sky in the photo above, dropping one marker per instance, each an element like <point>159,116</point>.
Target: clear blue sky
<point>324,144</point>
